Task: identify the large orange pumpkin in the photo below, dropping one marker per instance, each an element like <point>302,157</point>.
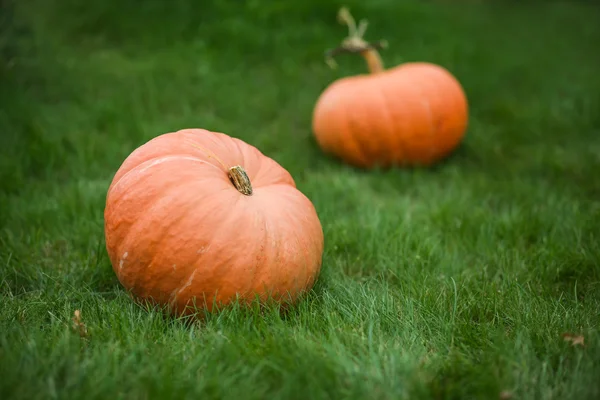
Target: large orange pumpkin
<point>199,218</point>
<point>412,114</point>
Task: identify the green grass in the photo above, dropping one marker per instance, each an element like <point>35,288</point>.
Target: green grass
<point>450,282</point>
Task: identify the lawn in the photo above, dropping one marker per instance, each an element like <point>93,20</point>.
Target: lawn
<point>456,281</point>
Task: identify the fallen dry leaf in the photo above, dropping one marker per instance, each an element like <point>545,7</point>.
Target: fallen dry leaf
<point>78,325</point>
<point>505,395</point>
<point>574,339</point>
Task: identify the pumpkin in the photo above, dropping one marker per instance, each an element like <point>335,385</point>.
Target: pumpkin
<point>412,114</point>
<point>195,218</point>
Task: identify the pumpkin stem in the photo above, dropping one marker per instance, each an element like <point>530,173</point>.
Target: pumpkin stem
<point>239,178</point>
<point>237,174</point>
<point>355,43</point>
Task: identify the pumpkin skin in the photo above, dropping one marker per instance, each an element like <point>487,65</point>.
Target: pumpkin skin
<point>179,233</point>
<point>412,114</point>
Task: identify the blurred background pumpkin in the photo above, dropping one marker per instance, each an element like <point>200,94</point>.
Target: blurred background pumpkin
<point>412,114</point>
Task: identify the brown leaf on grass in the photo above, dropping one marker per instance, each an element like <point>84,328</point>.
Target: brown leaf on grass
<point>78,325</point>
<point>505,395</point>
<point>574,339</point>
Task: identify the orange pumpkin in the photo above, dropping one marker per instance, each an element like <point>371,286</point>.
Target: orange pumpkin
<point>199,217</point>
<point>412,114</point>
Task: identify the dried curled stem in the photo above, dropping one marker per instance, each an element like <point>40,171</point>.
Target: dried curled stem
<point>240,179</point>
<point>355,43</point>
<point>329,54</point>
